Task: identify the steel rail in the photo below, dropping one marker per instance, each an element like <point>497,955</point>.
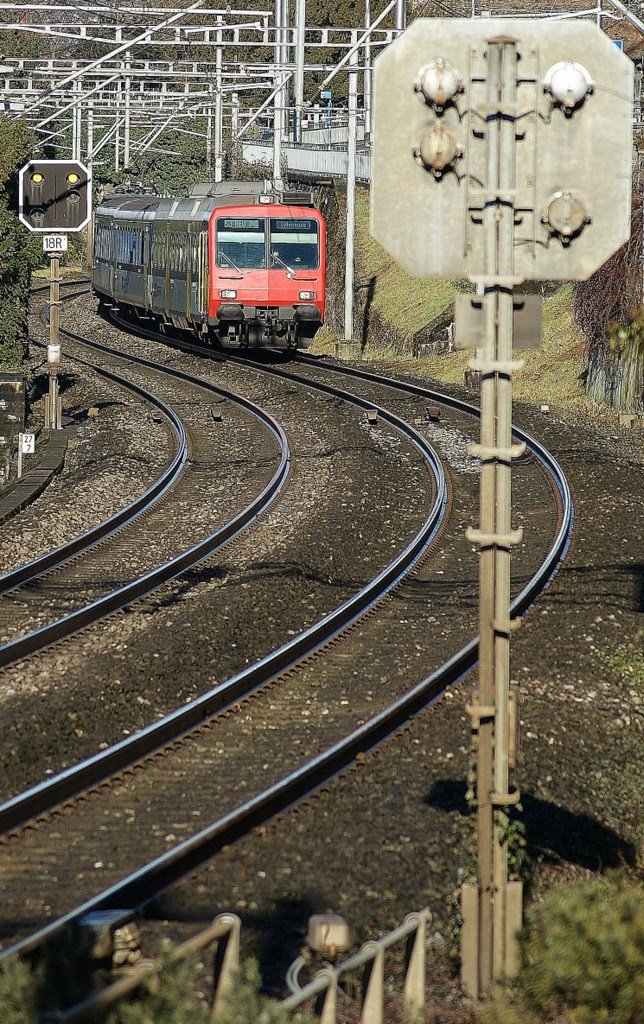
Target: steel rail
<point>30,571</point>
<point>132,894</point>
<point>42,798</point>
<point>125,595</point>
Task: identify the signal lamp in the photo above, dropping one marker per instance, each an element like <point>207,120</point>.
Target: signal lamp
<point>73,178</point>
<point>73,198</point>
<point>439,150</point>
<point>266,199</point>
<point>37,178</point>
<point>568,83</point>
<point>438,83</point>
<point>37,215</point>
<point>565,215</point>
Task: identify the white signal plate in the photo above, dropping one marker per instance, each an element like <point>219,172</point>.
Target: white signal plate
<point>54,243</point>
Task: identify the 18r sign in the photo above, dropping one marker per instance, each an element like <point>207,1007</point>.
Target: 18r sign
<point>54,244</point>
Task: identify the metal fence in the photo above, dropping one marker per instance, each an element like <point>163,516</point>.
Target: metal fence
<point>370,961</point>
<point>322,991</point>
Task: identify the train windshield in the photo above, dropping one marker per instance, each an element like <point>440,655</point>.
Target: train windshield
<point>241,243</point>
<point>294,243</point>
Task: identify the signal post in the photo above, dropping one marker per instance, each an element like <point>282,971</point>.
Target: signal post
<point>490,162</point>
<point>55,199</point>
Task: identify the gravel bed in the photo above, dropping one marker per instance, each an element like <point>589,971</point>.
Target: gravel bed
<point>393,648</point>
<point>110,460</point>
<point>356,495</point>
<point>391,835</point>
<point>229,463</point>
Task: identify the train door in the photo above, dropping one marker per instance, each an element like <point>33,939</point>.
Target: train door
<point>199,285</point>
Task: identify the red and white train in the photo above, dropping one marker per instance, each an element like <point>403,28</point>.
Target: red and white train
<point>234,259</point>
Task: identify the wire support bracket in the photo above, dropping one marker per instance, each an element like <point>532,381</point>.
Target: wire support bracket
<point>494,540</point>
<point>493,454</point>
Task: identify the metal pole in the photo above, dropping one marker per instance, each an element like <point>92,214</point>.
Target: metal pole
<point>300,24</point>
<point>75,126</point>
<point>486,559</point>
<point>277,100</point>
<point>285,59</point>
<point>367,73</point>
<point>235,114</point>
<point>54,339</point>
<point>219,150</point>
<point>401,15</point>
<point>128,112</point>
<point>209,131</point>
<point>494,536</point>
<point>504,297</point>
<point>351,198</point>
<point>117,135</point>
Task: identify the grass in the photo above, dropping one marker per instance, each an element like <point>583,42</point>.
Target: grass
<point>553,373</point>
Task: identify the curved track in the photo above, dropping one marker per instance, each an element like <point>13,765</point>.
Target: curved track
<point>122,596</point>
<point>135,891</point>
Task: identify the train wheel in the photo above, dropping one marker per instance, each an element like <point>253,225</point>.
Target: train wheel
<point>291,337</point>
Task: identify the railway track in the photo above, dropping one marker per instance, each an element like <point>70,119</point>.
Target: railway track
<point>83,579</point>
<point>143,885</point>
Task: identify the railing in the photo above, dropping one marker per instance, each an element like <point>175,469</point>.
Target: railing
<point>314,163</point>
<point>225,931</point>
<point>323,989</point>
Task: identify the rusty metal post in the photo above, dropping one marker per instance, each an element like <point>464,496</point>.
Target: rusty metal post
<point>494,536</point>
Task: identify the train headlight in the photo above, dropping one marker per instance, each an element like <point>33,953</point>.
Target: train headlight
<point>229,293</point>
<point>307,295</point>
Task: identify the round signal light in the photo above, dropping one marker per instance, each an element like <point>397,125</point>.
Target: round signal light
<point>37,178</point>
<point>73,178</point>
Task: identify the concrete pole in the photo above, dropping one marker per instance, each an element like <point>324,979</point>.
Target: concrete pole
<point>351,198</point>
<point>367,73</point>
<point>128,112</point>
<point>300,24</point>
<point>401,15</point>
<point>219,142</point>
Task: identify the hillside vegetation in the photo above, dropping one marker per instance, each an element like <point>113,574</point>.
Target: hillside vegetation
<point>401,305</point>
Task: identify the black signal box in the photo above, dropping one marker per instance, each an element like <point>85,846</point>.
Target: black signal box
<point>55,195</point>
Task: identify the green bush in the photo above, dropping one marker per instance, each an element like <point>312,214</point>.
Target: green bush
<point>177,997</point>
<point>19,252</point>
<point>17,993</point>
<point>582,959</point>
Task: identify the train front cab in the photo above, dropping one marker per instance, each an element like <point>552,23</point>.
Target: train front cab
<point>267,274</point>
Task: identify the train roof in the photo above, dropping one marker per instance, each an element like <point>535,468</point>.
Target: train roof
<point>203,199</point>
